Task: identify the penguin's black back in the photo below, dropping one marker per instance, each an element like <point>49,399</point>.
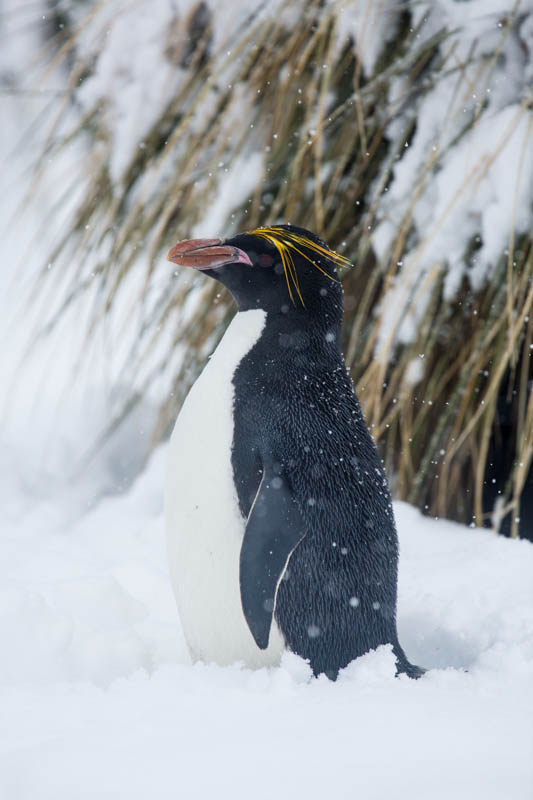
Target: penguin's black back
<point>295,405</point>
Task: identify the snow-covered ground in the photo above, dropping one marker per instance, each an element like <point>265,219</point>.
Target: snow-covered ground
<point>99,698</point>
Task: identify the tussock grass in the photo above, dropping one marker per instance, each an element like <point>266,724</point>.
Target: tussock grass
<point>322,124</point>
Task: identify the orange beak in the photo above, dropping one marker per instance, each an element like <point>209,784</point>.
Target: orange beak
<point>206,254</point>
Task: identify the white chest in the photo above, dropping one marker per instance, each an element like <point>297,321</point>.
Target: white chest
<point>203,522</point>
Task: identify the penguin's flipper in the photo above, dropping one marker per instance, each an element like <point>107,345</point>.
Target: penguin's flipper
<point>274,528</point>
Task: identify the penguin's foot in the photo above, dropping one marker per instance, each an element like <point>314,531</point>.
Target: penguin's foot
<point>410,669</point>
<point>404,667</point>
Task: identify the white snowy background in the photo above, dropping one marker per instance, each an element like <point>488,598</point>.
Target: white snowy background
<point>98,697</point>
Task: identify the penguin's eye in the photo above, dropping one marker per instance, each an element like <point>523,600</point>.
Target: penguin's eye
<point>265,260</point>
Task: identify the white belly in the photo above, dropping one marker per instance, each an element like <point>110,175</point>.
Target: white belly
<point>203,522</point>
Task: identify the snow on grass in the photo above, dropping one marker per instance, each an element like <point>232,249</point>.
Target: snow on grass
<point>370,25</point>
<point>99,698</point>
<point>465,178</point>
<point>139,87</point>
<point>133,93</point>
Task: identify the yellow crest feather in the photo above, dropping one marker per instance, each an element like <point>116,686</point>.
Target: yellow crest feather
<point>286,241</point>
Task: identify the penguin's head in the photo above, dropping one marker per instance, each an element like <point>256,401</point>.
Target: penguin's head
<point>282,269</point>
